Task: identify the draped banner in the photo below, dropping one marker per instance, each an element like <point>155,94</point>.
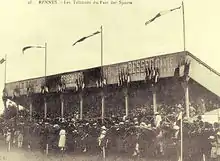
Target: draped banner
<point>136,68</point>
<point>22,86</point>
<point>70,79</point>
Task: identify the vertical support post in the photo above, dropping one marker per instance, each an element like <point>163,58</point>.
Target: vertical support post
<point>81,106</point>
<point>103,105</point>
<point>45,59</point>
<point>126,102</point>
<point>186,91</point>
<point>103,153</point>
<point>47,149</point>
<point>154,98</point>
<point>181,138</point>
<point>45,107</point>
<point>31,108</point>
<point>62,105</point>
<point>5,77</point>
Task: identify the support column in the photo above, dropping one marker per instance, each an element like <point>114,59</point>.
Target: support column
<point>154,98</point>
<point>126,101</point>
<point>31,108</point>
<point>185,86</point>
<point>186,91</point>
<point>45,107</point>
<point>62,105</point>
<point>103,106</point>
<point>81,106</point>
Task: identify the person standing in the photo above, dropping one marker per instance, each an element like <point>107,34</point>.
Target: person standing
<point>157,120</point>
<point>213,155</point>
<point>103,141</point>
<point>62,139</point>
<point>218,145</point>
<point>8,139</point>
<point>20,139</point>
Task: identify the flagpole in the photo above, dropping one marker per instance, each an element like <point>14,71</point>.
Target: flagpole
<point>5,70</point>
<point>184,32</point>
<point>184,48</point>
<point>45,74</point>
<point>103,106</point>
<point>45,70</point>
<point>181,137</point>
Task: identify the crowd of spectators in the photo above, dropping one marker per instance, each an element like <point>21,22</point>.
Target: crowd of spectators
<point>82,134</point>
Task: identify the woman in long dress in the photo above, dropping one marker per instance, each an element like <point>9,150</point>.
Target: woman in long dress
<point>62,140</point>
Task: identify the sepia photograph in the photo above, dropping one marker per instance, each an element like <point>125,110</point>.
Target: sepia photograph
<point>110,80</point>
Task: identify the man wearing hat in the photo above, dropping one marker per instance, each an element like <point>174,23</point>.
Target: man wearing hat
<point>213,154</point>
<point>218,145</point>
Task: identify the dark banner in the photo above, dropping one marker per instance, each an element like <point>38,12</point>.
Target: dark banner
<point>91,76</point>
<point>52,83</point>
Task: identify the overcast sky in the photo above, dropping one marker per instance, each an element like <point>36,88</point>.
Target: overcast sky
<point>125,35</point>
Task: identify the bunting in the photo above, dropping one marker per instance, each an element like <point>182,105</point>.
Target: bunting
<point>84,38</point>
<point>2,61</point>
<point>123,78</point>
<point>29,47</point>
<point>147,72</point>
<point>161,14</point>
<point>44,89</point>
<point>157,74</point>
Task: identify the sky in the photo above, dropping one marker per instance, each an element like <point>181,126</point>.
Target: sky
<point>125,37</point>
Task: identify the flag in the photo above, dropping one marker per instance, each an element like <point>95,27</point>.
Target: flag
<point>97,83</point>
<point>28,47</point>
<point>156,75</point>
<point>2,61</point>
<point>181,70</point>
<point>147,73</point>
<point>76,85</point>
<point>104,81</point>
<point>119,78</point>
<point>180,116</point>
<point>161,14</point>
<point>83,38</point>
<point>152,73</point>
<point>128,78</point>
<point>186,69</point>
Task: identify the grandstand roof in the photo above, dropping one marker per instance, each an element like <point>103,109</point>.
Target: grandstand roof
<point>167,64</point>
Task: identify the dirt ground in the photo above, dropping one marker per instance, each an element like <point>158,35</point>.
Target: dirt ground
<point>23,155</point>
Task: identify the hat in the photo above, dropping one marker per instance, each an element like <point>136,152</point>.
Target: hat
<point>142,124</point>
<point>156,113</point>
<point>135,119</point>
<point>136,122</point>
<point>121,123</point>
<point>103,128</point>
<point>211,137</point>
<point>87,124</point>
<point>175,127</point>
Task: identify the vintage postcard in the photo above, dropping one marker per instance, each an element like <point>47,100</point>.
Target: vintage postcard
<point>107,80</point>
